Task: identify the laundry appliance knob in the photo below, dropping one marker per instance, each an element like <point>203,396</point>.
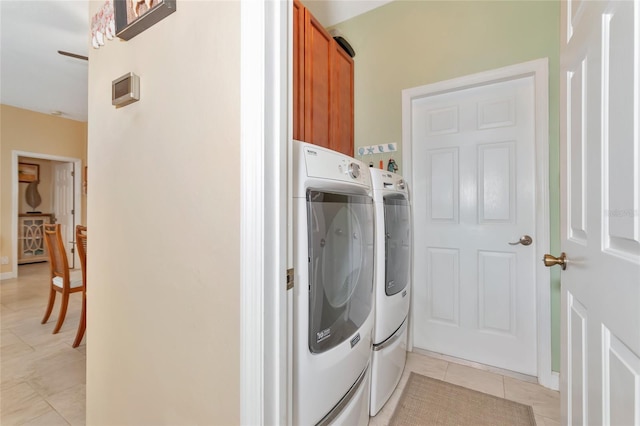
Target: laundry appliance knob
<point>354,170</point>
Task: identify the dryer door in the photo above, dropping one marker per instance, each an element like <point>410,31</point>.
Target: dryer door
<point>340,266</point>
<point>397,229</point>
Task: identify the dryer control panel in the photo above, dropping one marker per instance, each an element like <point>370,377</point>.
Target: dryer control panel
<point>382,180</point>
<point>326,164</point>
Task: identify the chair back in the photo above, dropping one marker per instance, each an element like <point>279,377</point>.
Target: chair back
<point>81,243</point>
<point>57,253</point>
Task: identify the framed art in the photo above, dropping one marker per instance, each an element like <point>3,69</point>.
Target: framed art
<point>28,172</point>
<point>134,16</point>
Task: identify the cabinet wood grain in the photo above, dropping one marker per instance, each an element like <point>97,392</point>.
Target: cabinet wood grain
<point>322,85</point>
<point>298,70</point>
<point>342,101</point>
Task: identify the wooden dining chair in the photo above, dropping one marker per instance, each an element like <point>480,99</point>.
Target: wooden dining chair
<point>62,280</point>
<point>81,244</point>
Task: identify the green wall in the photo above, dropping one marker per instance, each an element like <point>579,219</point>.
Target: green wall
<point>412,43</point>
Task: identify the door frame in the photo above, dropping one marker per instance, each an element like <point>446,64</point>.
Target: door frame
<point>265,236</point>
<point>77,196</point>
<point>539,70</point>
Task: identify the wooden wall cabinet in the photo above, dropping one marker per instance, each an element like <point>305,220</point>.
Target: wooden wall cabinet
<point>322,85</point>
<point>342,127</point>
<point>298,70</point>
<point>31,245</point>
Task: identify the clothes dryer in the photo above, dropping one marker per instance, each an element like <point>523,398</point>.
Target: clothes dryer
<point>392,284</point>
<point>333,215</point>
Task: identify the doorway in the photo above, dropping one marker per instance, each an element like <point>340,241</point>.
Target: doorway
<point>71,194</point>
<point>475,155</point>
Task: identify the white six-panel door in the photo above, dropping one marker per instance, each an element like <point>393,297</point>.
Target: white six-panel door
<point>63,206</point>
<point>600,159</point>
<point>473,171</point>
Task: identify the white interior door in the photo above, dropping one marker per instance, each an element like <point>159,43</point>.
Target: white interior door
<point>63,206</point>
<point>473,193</point>
<point>600,85</point>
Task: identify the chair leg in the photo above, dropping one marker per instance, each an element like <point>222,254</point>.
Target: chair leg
<point>52,300</point>
<point>63,311</point>
<point>83,322</point>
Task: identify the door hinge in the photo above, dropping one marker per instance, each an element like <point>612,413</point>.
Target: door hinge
<point>73,174</point>
<point>290,278</point>
<point>73,250</point>
<point>73,211</point>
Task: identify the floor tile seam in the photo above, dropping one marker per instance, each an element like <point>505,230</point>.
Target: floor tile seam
<point>55,411</point>
<point>7,330</point>
<point>72,411</point>
<point>537,389</point>
<point>501,387</point>
<point>17,383</point>
<point>46,395</point>
<point>41,397</point>
<point>5,307</point>
<point>446,372</point>
<point>46,398</point>
<point>19,336</point>
<point>53,396</point>
<point>6,358</point>
<point>54,367</point>
<point>558,420</point>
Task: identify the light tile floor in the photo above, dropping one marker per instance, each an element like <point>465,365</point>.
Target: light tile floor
<point>545,402</point>
<point>43,378</point>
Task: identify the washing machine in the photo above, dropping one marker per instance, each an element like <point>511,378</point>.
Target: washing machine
<point>392,284</point>
<point>333,225</point>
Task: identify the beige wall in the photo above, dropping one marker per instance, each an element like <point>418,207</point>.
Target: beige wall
<point>406,44</point>
<point>45,187</point>
<point>22,130</point>
<point>163,220</point>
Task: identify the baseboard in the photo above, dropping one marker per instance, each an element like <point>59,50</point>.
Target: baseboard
<point>7,275</point>
<point>555,381</point>
<point>550,381</point>
<point>477,365</point>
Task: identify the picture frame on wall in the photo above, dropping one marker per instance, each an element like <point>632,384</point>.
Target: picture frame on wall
<point>134,16</point>
<point>28,172</point>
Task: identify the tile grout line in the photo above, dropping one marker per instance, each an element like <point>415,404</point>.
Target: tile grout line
<point>446,371</point>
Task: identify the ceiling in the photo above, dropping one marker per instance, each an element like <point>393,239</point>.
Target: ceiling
<point>332,12</point>
<point>34,76</point>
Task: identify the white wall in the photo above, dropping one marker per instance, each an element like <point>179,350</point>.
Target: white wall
<point>163,222</point>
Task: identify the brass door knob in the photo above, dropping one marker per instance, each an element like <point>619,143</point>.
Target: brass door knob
<point>549,260</point>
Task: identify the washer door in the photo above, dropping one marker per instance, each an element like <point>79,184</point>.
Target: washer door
<point>340,266</point>
<point>397,229</point>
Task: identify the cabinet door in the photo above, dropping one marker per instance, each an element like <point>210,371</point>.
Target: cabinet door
<point>341,101</point>
<point>298,70</point>
<point>318,49</point>
<point>31,245</point>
